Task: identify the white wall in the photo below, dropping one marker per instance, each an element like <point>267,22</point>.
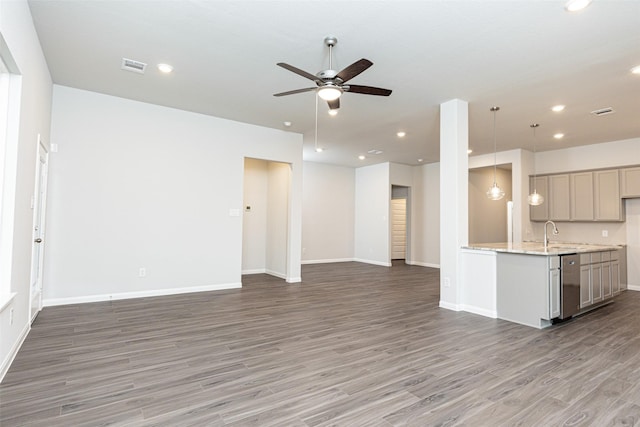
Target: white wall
<point>328,213</point>
<point>488,218</point>
<point>137,185</point>
<point>21,42</point>
<point>372,207</point>
<point>279,178</point>
<point>425,215</point>
<point>254,221</point>
<point>633,243</point>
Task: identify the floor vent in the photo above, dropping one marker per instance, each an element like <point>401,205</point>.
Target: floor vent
<point>603,111</point>
<point>135,66</point>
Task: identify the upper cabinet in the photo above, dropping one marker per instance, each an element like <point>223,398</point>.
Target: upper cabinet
<point>630,182</point>
<point>585,196</point>
<point>608,204</point>
<point>559,201</point>
<point>582,196</point>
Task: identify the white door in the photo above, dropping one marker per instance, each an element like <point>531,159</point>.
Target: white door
<point>398,228</point>
<point>37,251</point>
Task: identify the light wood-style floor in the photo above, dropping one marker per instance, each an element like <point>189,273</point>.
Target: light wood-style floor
<point>353,345</point>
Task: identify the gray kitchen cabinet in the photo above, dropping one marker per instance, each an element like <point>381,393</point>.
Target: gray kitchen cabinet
<point>599,277</point>
<point>559,198</point>
<point>585,286</point>
<point>605,280</point>
<point>581,186</point>
<point>608,204</point>
<point>630,182</point>
<point>616,272</point>
<point>541,212</point>
<point>554,288</point>
<point>596,280</point>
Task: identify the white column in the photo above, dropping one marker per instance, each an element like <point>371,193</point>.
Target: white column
<point>454,218</point>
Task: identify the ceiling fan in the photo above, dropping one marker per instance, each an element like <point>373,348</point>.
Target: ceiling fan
<point>330,83</point>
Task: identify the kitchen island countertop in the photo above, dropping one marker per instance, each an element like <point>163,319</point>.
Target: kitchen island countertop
<point>537,248</point>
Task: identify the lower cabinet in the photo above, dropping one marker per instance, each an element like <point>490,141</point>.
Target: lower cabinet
<point>599,277</point>
<point>554,290</point>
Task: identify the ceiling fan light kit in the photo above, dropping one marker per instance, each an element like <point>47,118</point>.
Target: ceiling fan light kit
<point>330,84</point>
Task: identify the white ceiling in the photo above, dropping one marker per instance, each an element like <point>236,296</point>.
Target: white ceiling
<point>523,56</point>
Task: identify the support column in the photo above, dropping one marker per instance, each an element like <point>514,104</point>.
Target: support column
<point>454,198</point>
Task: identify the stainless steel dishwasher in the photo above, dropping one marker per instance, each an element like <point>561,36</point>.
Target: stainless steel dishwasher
<point>570,285</point>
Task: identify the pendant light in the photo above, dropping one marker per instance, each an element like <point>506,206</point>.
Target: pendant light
<point>534,198</point>
<point>495,192</point>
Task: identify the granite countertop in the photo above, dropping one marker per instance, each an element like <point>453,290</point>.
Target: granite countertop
<point>537,248</point>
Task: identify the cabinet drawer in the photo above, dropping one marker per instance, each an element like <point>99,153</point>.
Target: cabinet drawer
<point>596,257</point>
<point>606,256</point>
<point>585,259</point>
<point>615,255</point>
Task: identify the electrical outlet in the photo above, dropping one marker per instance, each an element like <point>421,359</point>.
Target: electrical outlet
<point>605,233</point>
<point>11,316</point>
<point>142,272</point>
<point>447,282</point>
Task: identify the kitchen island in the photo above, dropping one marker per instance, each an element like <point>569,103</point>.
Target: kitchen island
<point>521,282</point>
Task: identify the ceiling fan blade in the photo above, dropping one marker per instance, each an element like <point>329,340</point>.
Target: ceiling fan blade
<point>354,69</point>
<point>367,90</point>
<point>299,72</point>
<point>335,104</point>
<point>291,92</point>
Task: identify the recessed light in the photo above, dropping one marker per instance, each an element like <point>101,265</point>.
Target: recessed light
<point>401,134</point>
<point>333,112</point>
<point>636,69</point>
<point>469,151</point>
<point>361,157</point>
<point>319,150</point>
<point>576,5</point>
<point>420,160</point>
<point>165,68</point>
<point>557,108</point>
<point>558,135</point>
<point>287,124</point>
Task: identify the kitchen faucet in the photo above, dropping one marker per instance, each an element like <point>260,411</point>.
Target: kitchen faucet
<point>555,232</point>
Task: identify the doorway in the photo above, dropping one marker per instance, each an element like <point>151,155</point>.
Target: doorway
<point>265,221</point>
<point>39,210</point>
<point>399,223</point>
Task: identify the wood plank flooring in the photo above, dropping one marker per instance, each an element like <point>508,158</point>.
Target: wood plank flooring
<point>353,345</point>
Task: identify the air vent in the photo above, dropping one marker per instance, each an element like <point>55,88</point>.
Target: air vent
<point>135,66</point>
<point>603,111</point>
<point>374,152</point>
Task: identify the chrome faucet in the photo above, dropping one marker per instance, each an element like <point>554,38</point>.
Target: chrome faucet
<point>555,232</point>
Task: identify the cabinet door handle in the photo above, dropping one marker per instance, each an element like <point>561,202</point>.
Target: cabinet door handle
<point>38,240</point>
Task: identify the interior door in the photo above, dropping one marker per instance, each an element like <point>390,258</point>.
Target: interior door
<point>37,252</point>
<point>399,228</point>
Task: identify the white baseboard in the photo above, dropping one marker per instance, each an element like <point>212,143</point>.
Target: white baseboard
<point>423,264</point>
<point>6,363</point>
<point>327,261</point>
<point>276,274</point>
<point>368,261</point>
<point>50,302</point>
<point>480,311</point>
<point>254,271</point>
<point>294,280</point>
<point>633,287</point>
<point>449,306</point>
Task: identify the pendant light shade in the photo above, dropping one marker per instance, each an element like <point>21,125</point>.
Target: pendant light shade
<point>495,192</point>
<point>534,198</point>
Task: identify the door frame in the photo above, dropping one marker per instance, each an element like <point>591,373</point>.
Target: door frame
<point>408,208</point>
<point>39,204</point>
